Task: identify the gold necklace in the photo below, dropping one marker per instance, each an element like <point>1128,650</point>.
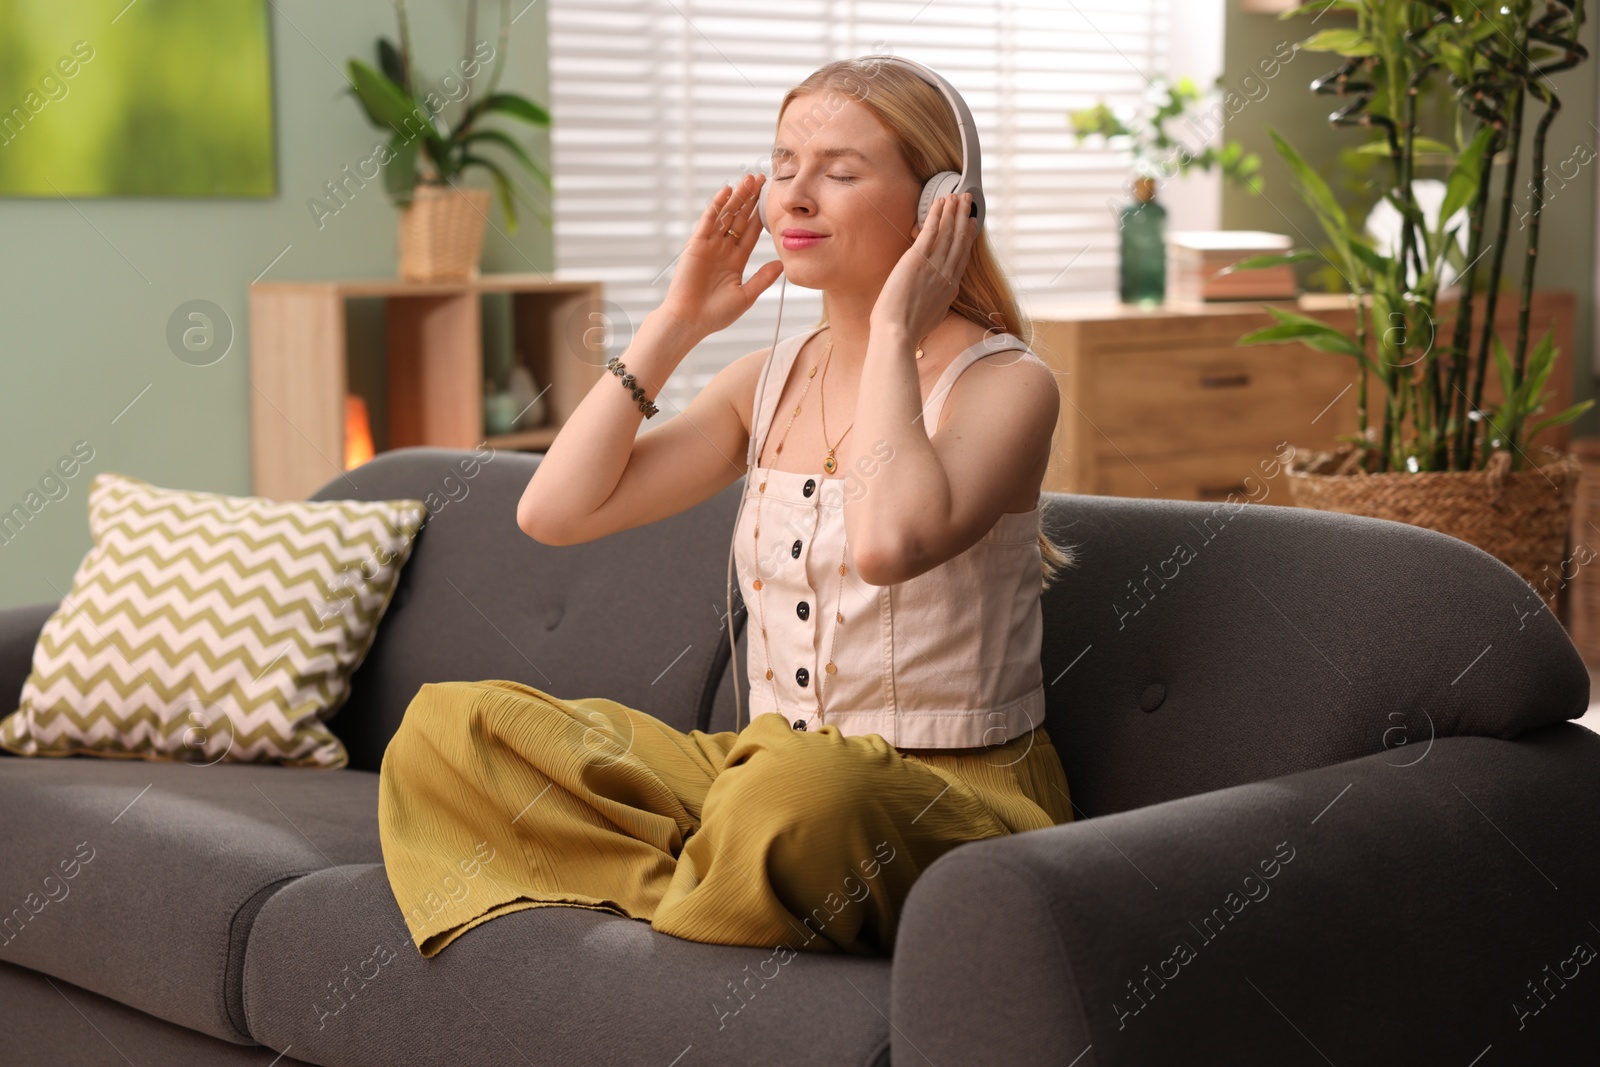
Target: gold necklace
<point>829,464</point>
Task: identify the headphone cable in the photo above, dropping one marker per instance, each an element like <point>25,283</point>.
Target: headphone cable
<point>744,492</point>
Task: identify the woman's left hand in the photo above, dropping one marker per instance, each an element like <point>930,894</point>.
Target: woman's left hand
<point>918,293</point>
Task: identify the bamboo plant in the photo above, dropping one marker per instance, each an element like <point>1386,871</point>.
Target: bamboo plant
<point>428,148</point>
<point>1491,58</point>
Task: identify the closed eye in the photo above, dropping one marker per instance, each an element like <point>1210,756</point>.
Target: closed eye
<point>836,177</point>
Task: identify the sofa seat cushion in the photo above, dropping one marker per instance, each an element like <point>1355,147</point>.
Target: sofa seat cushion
<point>138,880</point>
<point>48,1021</point>
<point>331,972</point>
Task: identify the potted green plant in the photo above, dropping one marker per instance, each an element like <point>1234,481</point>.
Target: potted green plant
<point>442,221</point>
<point>1436,455</point>
<point>1141,223</point>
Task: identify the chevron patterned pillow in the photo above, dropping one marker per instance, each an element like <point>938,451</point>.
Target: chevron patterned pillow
<point>204,628</point>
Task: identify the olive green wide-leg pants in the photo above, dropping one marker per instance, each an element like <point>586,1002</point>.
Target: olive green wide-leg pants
<point>495,796</point>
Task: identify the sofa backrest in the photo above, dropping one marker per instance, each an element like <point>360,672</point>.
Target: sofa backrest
<point>1195,645</point>
<point>631,617</point>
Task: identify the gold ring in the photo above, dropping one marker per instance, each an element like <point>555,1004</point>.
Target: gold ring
<point>732,234</point>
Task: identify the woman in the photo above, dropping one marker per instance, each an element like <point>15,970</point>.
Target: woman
<point>889,554</point>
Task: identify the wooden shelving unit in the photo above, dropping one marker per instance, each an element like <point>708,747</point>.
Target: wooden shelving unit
<point>433,334</point>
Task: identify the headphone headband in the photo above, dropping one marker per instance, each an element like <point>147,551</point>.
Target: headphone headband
<point>966,129</point>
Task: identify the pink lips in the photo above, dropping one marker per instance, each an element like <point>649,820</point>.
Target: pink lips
<point>795,239</point>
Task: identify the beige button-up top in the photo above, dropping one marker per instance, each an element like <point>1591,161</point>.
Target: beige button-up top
<point>948,659</point>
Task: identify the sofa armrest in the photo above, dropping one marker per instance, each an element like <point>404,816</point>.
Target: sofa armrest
<point>19,633</point>
<point>1416,906</point>
<point>1200,646</point>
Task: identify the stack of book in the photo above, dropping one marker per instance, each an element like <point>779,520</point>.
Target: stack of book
<point>1194,258</point>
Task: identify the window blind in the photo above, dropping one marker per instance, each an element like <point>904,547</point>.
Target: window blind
<point>658,103</point>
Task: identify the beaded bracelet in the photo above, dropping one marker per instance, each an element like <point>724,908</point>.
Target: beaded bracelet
<point>615,366</point>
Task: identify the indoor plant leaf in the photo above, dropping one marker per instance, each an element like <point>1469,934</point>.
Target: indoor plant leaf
<point>382,99</point>
<point>1559,419</point>
<point>507,190</point>
<point>1502,362</point>
<point>1318,197</point>
<point>387,105</point>
<point>1317,6</point>
<point>1379,146</point>
<point>510,145</point>
<point>1378,263</point>
<point>1462,185</point>
<point>1311,332</point>
<point>1345,42</point>
<point>1540,361</point>
<point>400,174</point>
<point>518,107</point>
<point>1270,259</point>
<point>392,65</point>
<point>502,186</point>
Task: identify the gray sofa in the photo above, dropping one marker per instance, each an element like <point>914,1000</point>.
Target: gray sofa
<point>1329,810</point>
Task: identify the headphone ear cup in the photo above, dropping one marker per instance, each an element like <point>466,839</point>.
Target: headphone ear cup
<point>942,184</point>
<point>761,204</point>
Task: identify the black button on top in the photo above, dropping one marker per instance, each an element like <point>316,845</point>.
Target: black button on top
<point>810,486</point>
<point>802,676</point>
<point>794,549</point>
<point>803,610</point>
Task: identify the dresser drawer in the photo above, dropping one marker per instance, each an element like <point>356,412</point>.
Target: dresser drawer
<point>1161,403</point>
<point>1254,474</point>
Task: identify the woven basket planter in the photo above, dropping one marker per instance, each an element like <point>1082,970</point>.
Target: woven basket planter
<point>441,233</point>
<point>1522,518</point>
<point>1583,608</point>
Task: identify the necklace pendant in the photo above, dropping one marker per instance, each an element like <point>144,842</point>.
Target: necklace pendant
<point>769,674</point>
<point>829,464</point>
<point>756,585</point>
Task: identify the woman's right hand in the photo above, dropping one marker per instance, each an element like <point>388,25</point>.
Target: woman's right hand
<point>708,289</point>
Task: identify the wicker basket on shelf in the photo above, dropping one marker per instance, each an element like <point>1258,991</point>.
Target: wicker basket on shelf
<point>441,233</point>
<point>1584,602</point>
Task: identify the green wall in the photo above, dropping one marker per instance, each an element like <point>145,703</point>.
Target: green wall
<point>88,286</point>
<point>1286,104</point>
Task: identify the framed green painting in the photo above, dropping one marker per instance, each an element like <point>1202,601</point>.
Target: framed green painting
<point>148,98</point>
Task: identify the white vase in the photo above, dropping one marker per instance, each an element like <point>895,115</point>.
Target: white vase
<point>530,401</point>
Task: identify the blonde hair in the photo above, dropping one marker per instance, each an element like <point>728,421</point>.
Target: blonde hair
<point>919,119</point>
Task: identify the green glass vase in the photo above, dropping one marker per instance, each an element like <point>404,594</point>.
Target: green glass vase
<point>1144,248</point>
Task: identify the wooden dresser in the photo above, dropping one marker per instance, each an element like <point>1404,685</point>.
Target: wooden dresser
<point>1165,403</point>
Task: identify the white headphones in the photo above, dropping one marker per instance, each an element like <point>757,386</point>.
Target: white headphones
<point>969,180</point>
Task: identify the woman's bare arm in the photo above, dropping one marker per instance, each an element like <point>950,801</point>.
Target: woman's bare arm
<point>601,476</point>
